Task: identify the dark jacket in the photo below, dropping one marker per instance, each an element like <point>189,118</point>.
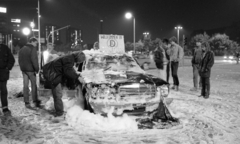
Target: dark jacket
<point>197,56</point>
<point>28,59</point>
<point>6,62</point>
<point>206,64</point>
<point>55,70</point>
<point>158,58</point>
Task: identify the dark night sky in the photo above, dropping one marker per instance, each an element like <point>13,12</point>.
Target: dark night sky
<point>159,17</point>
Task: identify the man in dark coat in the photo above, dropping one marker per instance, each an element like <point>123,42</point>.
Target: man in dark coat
<point>197,54</point>
<point>6,63</point>
<point>56,70</point>
<point>206,64</point>
<point>28,62</point>
<point>166,47</point>
<point>158,57</point>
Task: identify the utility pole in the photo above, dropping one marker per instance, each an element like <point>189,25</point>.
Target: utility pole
<point>52,35</point>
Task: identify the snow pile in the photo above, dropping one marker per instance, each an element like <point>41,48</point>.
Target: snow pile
<point>79,118</point>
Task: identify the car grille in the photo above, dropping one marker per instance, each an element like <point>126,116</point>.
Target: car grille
<point>138,89</point>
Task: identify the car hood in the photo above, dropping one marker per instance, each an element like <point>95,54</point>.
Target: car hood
<point>99,77</point>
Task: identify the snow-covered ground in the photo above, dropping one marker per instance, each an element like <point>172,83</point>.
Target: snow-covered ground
<point>215,120</point>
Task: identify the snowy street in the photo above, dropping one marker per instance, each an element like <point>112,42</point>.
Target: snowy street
<point>202,121</point>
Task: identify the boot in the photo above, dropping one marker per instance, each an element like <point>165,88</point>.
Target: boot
<point>173,87</point>
<point>193,89</point>
<point>176,88</point>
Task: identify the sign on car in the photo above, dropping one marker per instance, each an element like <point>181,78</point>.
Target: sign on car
<point>112,43</point>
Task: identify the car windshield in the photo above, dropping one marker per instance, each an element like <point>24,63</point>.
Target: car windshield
<point>113,62</point>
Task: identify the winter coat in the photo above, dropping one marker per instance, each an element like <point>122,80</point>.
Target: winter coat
<point>55,70</point>
<point>6,62</point>
<point>28,59</point>
<point>176,53</point>
<point>158,58</point>
<point>197,56</point>
<point>206,64</point>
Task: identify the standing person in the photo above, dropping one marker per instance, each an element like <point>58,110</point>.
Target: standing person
<point>55,71</point>
<point>166,46</point>
<point>28,62</point>
<point>205,69</point>
<point>6,63</point>
<point>237,57</point>
<point>176,55</point>
<point>158,58</point>
<point>50,49</point>
<point>197,54</point>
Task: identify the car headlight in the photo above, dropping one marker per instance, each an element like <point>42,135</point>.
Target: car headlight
<point>225,57</point>
<point>164,90</point>
<point>230,57</point>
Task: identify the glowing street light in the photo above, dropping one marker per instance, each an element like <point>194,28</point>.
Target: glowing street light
<point>129,15</point>
<point>26,31</point>
<point>178,28</point>
<point>32,24</point>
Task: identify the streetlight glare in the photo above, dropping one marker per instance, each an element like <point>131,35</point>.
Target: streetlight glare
<point>26,31</point>
<point>128,15</point>
<point>32,24</point>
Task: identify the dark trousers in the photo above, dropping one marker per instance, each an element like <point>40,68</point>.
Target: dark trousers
<point>205,86</point>
<point>168,71</point>
<point>196,76</point>
<point>4,94</point>
<point>174,67</point>
<point>57,98</point>
<point>32,77</point>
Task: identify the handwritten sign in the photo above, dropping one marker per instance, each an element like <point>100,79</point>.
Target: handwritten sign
<point>112,43</point>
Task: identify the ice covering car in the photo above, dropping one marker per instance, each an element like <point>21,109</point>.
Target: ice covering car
<point>116,83</point>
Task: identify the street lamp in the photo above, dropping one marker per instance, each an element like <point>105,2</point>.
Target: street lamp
<point>178,28</point>
<point>26,31</point>
<point>101,26</point>
<point>32,24</point>
<point>129,15</point>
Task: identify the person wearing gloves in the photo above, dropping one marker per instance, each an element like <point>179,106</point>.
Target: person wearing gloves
<point>176,56</point>
<point>54,73</point>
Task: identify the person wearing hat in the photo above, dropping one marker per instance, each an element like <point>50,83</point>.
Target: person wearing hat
<point>176,56</point>
<point>56,71</point>
<point>195,64</point>
<point>207,61</point>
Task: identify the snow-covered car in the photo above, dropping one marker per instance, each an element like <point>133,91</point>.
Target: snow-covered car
<point>116,84</point>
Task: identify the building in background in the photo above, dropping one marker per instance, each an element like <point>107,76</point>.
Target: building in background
<point>73,35</point>
<point>15,29</point>
<point>3,23</point>
<point>47,33</point>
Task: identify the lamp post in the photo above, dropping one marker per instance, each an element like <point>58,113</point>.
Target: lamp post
<point>26,31</point>
<point>101,26</point>
<point>32,24</point>
<point>178,28</point>
<point>129,15</point>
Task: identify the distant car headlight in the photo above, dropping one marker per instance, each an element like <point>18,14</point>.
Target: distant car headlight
<point>164,90</point>
<point>225,57</point>
<point>230,57</point>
